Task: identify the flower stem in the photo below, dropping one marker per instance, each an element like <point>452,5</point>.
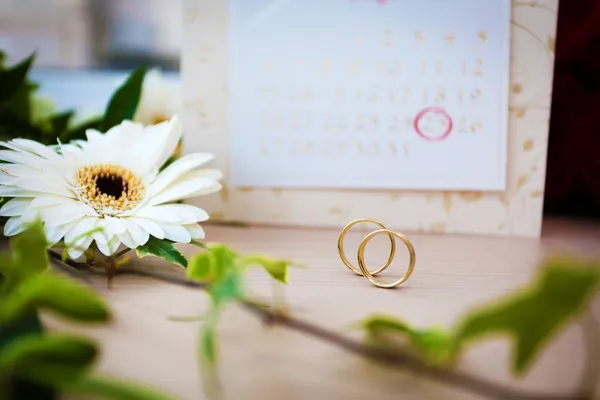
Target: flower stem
<point>120,254</point>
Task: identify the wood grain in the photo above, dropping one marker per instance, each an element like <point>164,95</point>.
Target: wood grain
<point>453,273</point>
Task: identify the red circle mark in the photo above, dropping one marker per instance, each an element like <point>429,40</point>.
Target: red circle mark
<point>436,110</point>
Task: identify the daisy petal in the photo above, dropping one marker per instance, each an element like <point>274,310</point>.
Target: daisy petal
<point>139,235</point>
<point>127,239</point>
<point>185,189</point>
<point>210,173</point>
<point>110,247</point>
<point>176,233</point>
<point>55,233</point>
<point>114,145</point>
<point>80,247</point>
<point>111,227</point>
<point>100,237</point>
<point>50,200</point>
<point>195,230</point>
<point>94,137</point>
<point>16,206</point>
<point>19,170</point>
<point>79,230</point>
<point>120,145</point>
<point>103,247</point>
<point>6,179</point>
<point>31,160</point>
<point>31,215</point>
<point>175,170</point>
<point>63,213</point>
<point>36,148</point>
<point>173,213</point>
<point>14,191</point>
<point>165,136</point>
<point>149,226</point>
<point>114,226</point>
<point>14,226</point>
<point>43,184</point>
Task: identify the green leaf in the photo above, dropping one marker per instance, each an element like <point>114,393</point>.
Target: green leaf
<point>163,249</point>
<point>434,344</point>
<point>531,317</point>
<point>208,345</point>
<point>226,290</point>
<point>56,293</point>
<point>29,249</point>
<point>218,267</point>
<point>17,112</point>
<point>197,244</point>
<point>77,132</point>
<point>29,257</point>
<point>14,120</point>
<point>276,268</point>
<point>123,104</point>
<point>114,389</point>
<point>376,325</point>
<point>212,265</point>
<point>201,267</point>
<point>41,111</point>
<point>225,259</point>
<point>48,359</point>
<point>12,79</point>
<point>28,324</point>
<point>26,389</point>
<point>59,123</point>
<point>7,266</point>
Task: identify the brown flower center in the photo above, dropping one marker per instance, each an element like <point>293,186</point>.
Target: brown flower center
<point>109,188</point>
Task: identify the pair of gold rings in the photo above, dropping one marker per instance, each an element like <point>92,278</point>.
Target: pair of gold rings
<point>363,271</point>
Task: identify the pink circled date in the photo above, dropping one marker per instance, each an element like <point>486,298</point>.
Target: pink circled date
<point>446,127</point>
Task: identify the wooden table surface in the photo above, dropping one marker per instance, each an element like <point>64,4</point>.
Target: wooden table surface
<point>452,274</point>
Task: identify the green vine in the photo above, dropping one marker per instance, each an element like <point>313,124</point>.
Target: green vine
<point>530,318</point>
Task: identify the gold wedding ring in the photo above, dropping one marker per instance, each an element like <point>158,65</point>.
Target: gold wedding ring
<point>363,270</point>
<point>343,253</point>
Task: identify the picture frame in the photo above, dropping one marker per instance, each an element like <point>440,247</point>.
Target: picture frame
<point>513,209</point>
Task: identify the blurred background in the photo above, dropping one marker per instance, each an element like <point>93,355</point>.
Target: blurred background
<point>97,34</point>
<point>84,47</point>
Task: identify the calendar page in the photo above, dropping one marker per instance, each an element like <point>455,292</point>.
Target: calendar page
<point>406,94</point>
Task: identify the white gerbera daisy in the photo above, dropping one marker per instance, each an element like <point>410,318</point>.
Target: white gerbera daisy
<point>160,99</point>
<point>112,182</point>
